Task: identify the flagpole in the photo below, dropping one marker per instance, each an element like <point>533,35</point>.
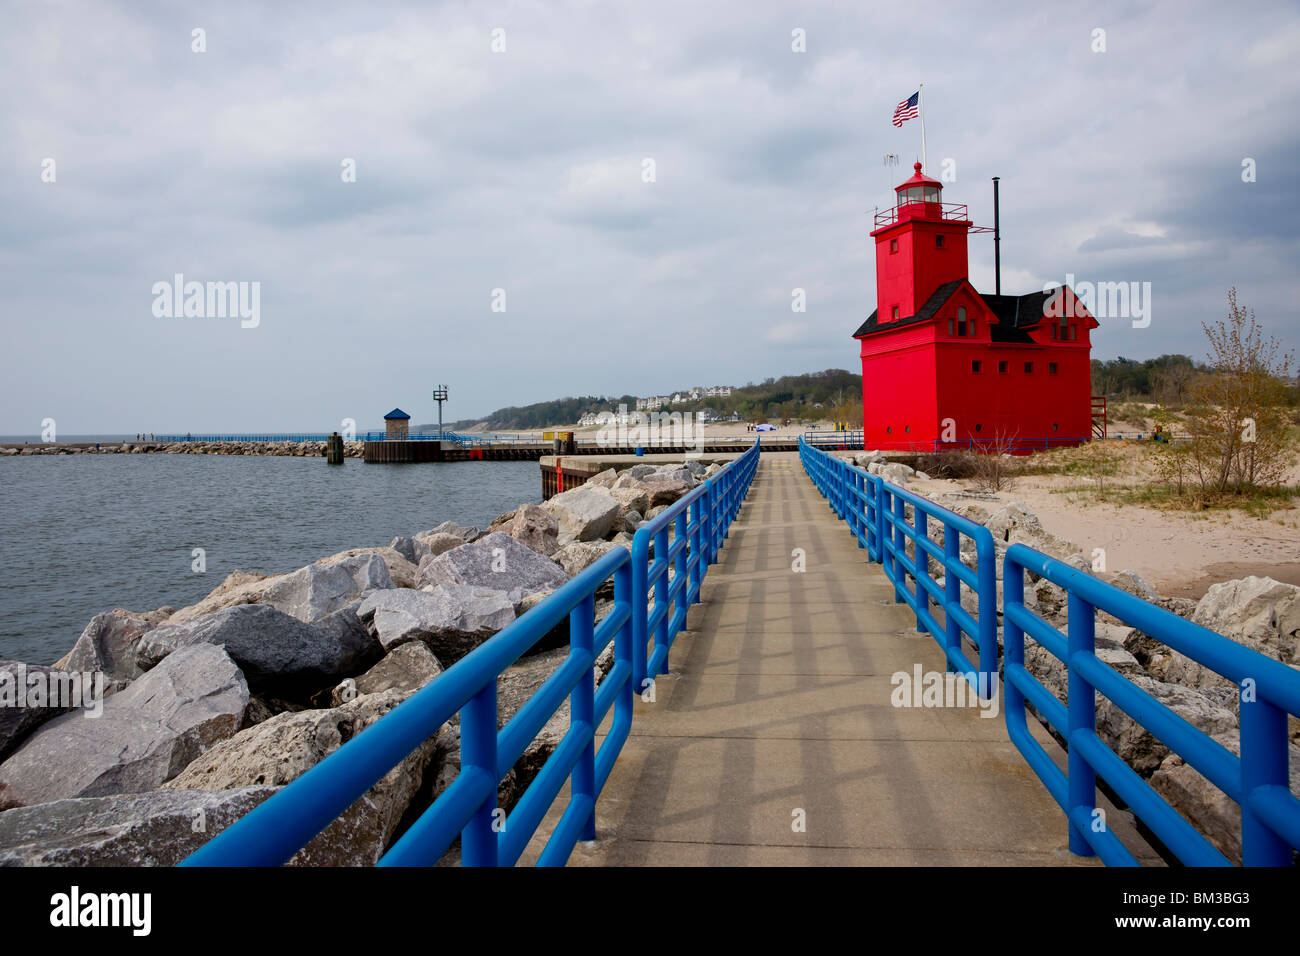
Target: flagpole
<point>921,104</point>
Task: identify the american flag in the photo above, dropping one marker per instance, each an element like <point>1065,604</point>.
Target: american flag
<point>907,109</point>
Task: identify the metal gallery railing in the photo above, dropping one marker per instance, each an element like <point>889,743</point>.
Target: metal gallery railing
<point>274,831</point>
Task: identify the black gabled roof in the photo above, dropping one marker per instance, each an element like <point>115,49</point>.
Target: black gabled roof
<point>923,314</point>
<point>1016,314</point>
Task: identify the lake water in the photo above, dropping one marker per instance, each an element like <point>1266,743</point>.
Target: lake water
<point>81,534</point>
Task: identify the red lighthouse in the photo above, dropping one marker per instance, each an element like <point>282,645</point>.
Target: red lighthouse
<point>947,367</point>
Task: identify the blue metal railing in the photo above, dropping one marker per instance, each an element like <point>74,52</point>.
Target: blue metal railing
<point>1257,780</point>
<point>274,831</point>
<point>876,513</point>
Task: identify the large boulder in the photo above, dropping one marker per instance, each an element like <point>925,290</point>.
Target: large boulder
<point>145,735</point>
<point>438,542</point>
<point>157,828</point>
<point>466,533</point>
<point>108,646</point>
<point>536,528</point>
<point>279,654</point>
<point>319,589</point>
<point>1207,807</point>
<point>1140,749</point>
<point>659,488</point>
<point>584,514</point>
<point>895,472</point>
<point>402,571</point>
<point>495,561</point>
<point>577,556</point>
<point>238,587</point>
<point>411,549</point>
<point>603,479</point>
<point>1260,610</point>
<point>408,668</point>
<point>452,619</point>
<point>281,749</point>
<point>631,499</point>
<point>26,701</point>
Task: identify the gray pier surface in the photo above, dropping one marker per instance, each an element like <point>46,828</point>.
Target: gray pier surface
<point>778,707</point>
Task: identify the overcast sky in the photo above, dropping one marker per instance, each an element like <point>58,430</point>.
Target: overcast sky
<point>523,170</point>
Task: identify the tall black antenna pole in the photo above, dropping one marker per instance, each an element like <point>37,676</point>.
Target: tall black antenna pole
<point>997,241</point>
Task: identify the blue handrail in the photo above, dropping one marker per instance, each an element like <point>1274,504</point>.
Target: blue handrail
<point>274,831</point>
<point>1257,780</point>
<point>876,512</point>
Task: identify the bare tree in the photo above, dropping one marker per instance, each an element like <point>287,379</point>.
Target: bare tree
<point>1241,435</point>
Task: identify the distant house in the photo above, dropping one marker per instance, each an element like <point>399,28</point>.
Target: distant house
<point>397,425</point>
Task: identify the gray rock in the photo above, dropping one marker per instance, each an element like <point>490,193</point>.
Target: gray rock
<point>895,472</point>
<point>108,644</point>
<point>535,528</point>
<point>281,749</point>
<point>631,499</point>
<point>639,471</point>
<point>577,556</point>
<point>155,828</point>
<point>603,479</point>
<point>1132,583</point>
<point>659,488</point>
<point>145,735</point>
<point>277,653</point>
<point>496,561</point>
<point>21,710</point>
<point>466,533</point>
<point>408,668</point>
<point>412,549</point>
<point>584,514</point>
<point>312,592</point>
<point>1258,609</point>
<point>1207,807</point>
<point>439,542</point>
<point>451,619</point>
<point>1139,748</point>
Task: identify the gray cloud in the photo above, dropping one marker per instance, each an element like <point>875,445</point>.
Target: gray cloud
<point>523,171</point>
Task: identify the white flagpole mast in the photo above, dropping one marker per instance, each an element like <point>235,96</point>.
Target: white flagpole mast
<point>921,103</point>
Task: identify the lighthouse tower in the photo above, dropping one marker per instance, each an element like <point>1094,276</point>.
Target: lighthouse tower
<point>918,249</point>
<point>945,367</point>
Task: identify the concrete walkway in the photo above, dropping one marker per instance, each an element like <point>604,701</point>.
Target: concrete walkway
<point>774,741</point>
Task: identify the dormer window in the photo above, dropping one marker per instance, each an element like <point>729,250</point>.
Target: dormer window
<point>961,323</point>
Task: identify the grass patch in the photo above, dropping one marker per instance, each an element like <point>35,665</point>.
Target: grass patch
<point>1256,502</point>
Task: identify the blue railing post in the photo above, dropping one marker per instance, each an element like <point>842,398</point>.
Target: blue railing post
<point>900,546</point>
<point>921,560</point>
<point>640,636</point>
<point>681,569</point>
<point>582,707</point>
<point>478,756</point>
<point>1082,723</point>
<point>952,587</point>
<point>1263,763</point>
<point>661,587</point>
<point>695,537</point>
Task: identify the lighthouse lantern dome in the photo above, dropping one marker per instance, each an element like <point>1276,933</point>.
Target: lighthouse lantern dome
<point>918,189</point>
